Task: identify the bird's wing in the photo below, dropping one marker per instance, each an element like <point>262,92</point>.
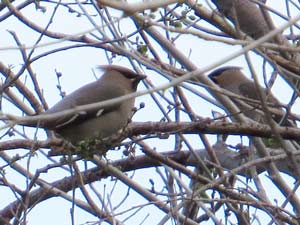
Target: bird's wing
<point>275,107</point>
<point>249,90</point>
<point>80,97</point>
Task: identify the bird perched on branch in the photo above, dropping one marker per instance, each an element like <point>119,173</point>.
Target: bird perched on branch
<point>97,123</point>
<point>232,79</point>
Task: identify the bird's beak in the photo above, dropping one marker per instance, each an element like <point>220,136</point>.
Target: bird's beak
<point>140,77</point>
<point>136,81</point>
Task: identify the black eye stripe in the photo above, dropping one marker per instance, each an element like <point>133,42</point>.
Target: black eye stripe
<point>130,75</point>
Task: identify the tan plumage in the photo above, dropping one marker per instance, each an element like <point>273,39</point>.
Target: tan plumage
<point>232,79</point>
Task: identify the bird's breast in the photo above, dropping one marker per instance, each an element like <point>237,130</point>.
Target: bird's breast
<point>101,126</point>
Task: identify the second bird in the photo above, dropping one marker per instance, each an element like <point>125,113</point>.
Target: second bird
<point>232,79</point>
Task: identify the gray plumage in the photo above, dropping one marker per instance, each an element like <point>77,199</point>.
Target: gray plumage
<point>98,123</point>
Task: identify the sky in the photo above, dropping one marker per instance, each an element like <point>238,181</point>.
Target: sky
<point>78,68</point>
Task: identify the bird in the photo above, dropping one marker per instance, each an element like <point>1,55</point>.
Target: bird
<point>232,79</point>
<point>97,123</point>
